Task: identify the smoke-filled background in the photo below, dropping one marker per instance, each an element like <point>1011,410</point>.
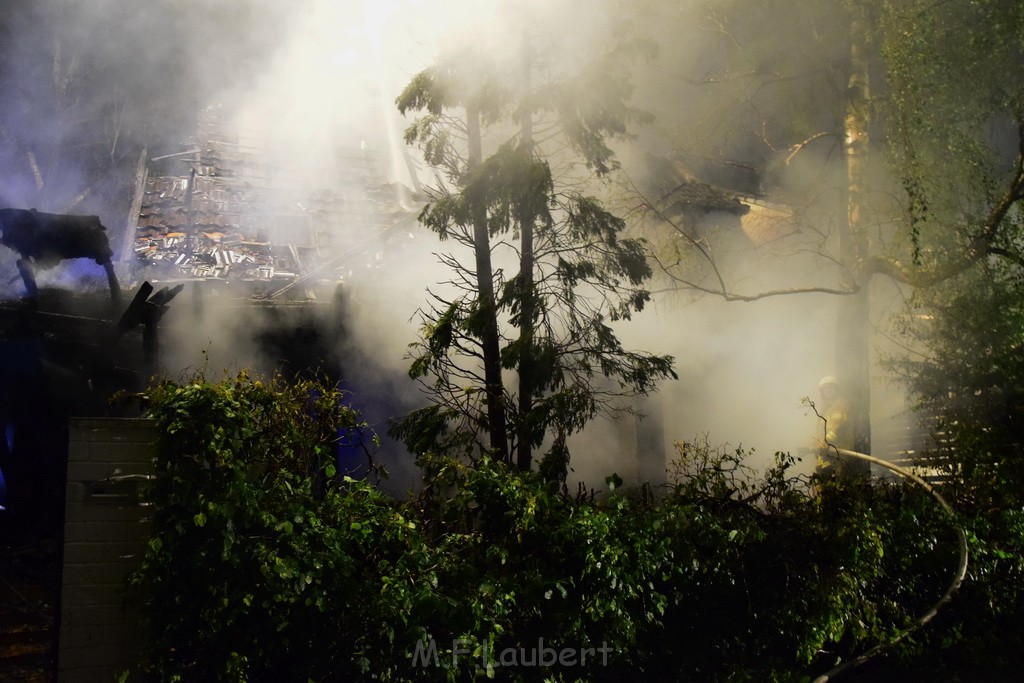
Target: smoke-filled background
<point>86,86</point>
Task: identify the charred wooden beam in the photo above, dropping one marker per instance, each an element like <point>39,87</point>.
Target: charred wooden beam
<point>44,239</point>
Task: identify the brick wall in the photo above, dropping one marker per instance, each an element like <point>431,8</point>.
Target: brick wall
<point>104,537</point>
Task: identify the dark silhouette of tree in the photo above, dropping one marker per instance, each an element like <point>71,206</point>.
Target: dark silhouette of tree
<point>575,273</point>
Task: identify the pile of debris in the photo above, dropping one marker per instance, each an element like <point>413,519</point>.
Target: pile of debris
<point>212,254</point>
<point>219,211</point>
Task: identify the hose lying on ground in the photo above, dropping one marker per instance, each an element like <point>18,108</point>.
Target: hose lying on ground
<point>958,576</point>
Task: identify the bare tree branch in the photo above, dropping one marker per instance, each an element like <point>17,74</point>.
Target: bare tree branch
<point>795,149</point>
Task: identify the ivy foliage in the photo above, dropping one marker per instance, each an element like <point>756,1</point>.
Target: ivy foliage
<point>264,564</point>
<point>953,114</point>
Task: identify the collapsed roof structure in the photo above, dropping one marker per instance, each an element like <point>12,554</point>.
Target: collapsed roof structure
<point>696,206</point>
<point>220,212</point>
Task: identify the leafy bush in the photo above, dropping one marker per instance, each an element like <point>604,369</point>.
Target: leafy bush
<point>259,554</point>
<point>968,379</point>
<point>265,565</point>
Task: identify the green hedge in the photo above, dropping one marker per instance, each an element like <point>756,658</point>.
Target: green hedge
<point>264,564</point>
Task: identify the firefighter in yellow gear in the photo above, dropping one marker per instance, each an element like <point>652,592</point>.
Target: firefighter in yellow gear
<point>837,432</point>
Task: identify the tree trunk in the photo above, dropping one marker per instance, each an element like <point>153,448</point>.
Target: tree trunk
<point>852,340</point>
<point>493,388</point>
<point>524,456</point>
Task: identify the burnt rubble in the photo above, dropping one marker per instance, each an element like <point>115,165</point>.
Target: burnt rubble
<point>217,211</point>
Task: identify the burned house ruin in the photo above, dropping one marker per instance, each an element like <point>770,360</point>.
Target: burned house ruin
<point>256,255</point>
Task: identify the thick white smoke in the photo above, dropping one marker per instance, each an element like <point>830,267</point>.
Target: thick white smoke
<point>306,79</point>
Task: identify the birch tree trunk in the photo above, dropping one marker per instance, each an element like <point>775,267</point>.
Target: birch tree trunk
<point>852,335</point>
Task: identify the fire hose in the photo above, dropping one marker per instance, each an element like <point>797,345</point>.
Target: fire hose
<point>958,576</point>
